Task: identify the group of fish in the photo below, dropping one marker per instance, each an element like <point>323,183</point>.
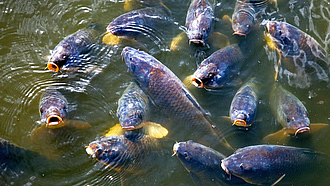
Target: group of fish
<point>127,143</point>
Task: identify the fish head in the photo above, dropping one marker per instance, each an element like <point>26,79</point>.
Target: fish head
<point>196,157</point>
<point>53,109</point>
<point>299,123</point>
<point>205,76</point>
<point>278,33</point>
<point>199,23</point>
<point>241,119</point>
<point>189,155</point>
<point>242,24</point>
<point>59,57</point>
<point>131,119</point>
<point>141,65</point>
<point>111,151</point>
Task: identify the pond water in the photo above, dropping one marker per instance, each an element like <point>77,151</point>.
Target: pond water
<point>31,29</point>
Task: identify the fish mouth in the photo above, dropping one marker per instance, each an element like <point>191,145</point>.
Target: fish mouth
<point>301,130</point>
<point>175,148</point>
<point>53,67</point>
<point>89,150</point>
<point>240,123</point>
<point>54,121</point>
<point>239,34</point>
<point>224,167</point>
<point>197,82</point>
<point>128,127</point>
<point>196,41</point>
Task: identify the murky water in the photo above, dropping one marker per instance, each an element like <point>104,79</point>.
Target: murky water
<point>30,29</point>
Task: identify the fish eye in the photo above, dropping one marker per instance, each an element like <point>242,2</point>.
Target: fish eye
<point>210,75</point>
<point>288,119</point>
<point>41,110</point>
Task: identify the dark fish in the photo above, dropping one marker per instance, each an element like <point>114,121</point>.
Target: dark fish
<point>269,164</point>
<point>146,22</point>
<point>199,21</point>
<point>305,51</point>
<point>53,108</point>
<point>72,46</point>
<point>218,69</point>
<point>243,107</point>
<point>167,92</point>
<point>133,107</point>
<point>121,153</point>
<point>245,15</point>
<point>203,164</point>
<point>290,113</point>
<point>19,165</point>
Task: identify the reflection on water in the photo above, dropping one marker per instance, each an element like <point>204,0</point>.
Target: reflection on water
<point>30,29</point>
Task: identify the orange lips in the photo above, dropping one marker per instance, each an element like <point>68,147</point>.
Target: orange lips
<point>54,121</point>
<point>53,67</point>
<point>197,82</point>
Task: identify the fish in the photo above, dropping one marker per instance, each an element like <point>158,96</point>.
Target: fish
<point>243,107</point>
<point>123,153</point>
<point>203,164</point>
<point>245,15</point>
<point>72,46</point>
<point>137,24</point>
<point>199,21</point>
<point>133,107</point>
<point>219,68</point>
<point>302,50</point>
<point>19,164</point>
<point>167,92</point>
<point>271,164</point>
<point>291,113</point>
<point>53,109</point>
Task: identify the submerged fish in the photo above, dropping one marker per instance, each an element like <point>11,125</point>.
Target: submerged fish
<point>218,69</point>
<point>167,92</point>
<point>303,50</point>
<point>290,113</point>
<point>270,164</point>
<point>199,21</point>
<point>53,108</point>
<point>203,164</point>
<point>245,15</point>
<point>121,153</point>
<point>133,107</point>
<point>146,22</point>
<point>72,46</point>
<point>19,165</point>
<point>243,107</point>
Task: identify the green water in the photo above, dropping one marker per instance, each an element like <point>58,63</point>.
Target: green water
<point>30,29</point>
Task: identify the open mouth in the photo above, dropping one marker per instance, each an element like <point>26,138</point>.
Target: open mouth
<point>53,67</point>
<point>240,123</point>
<point>239,34</point>
<point>224,168</point>
<point>128,127</point>
<point>197,82</point>
<point>301,130</point>
<point>54,121</point>
<point>175,148</point>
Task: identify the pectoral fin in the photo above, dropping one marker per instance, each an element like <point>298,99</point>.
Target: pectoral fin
<point>188,82</point>
<point>281,137</point>
<point>218,40</point>
<point>317,126</point>
<point>227,19</point>
<point>128,5</point>
<point>175,44</point>
<point>155,130</point>
<point>111,39</point>
<point>77,124</point>
<point>115,131</point>
<point>278,180</point>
